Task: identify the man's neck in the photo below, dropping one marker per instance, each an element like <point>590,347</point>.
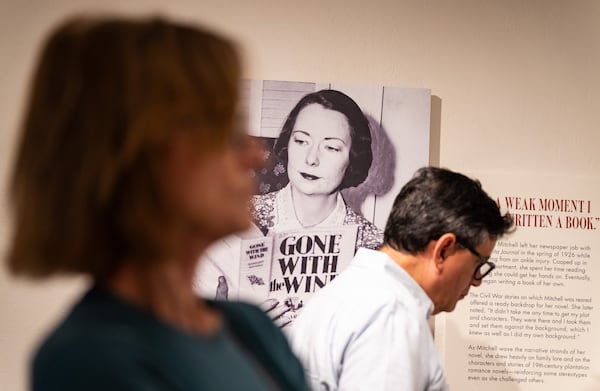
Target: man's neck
<point>416,265</point>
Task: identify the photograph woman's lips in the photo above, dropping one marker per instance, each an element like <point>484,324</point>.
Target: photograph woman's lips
<point>309,176</point>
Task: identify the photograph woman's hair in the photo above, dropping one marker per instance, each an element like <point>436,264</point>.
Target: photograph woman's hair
<point>360,133</point>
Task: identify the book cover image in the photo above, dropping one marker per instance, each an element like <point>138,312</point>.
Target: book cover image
<point>304,262</point>
<point>256,257</point>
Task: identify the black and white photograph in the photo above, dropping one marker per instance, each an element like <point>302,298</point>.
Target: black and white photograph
<point>334,156</point>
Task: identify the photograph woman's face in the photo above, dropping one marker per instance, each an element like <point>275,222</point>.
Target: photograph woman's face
<point>318,150</point>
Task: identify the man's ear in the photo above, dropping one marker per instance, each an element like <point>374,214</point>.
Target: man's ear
<point>442,248</point>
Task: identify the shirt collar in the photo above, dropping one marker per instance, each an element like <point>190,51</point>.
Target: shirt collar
<point>285,214</point>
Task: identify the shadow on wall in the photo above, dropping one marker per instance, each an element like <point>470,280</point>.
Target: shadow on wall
<point>381,174</point>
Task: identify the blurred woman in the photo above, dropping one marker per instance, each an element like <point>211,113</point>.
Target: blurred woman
<point>130,165</point>
<point>325,143</point>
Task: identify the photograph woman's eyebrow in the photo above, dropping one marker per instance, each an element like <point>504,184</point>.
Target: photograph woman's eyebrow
<point>314,136</point>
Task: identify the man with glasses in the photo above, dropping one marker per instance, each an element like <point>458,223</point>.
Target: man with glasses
<point>368,329</point>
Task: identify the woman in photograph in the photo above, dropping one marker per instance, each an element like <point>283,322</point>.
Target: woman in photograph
<point>130,165</point>
<point>325,145</point>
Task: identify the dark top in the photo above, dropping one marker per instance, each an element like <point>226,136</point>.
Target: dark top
<point>106,344</point>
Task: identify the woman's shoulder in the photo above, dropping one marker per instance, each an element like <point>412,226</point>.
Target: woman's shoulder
<point>239,311</point>
<point>263,210</point>
<point>248,320</point>
<point>353,217</point>
<point>263,200</point>
<point>95,349</point>
<point>257,332</point>
<point>369,235</point>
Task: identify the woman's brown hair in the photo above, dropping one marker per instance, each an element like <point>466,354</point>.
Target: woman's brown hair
<point>105,97</point>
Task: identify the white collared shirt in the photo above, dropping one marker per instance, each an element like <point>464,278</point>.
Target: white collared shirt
<point>368,330</point>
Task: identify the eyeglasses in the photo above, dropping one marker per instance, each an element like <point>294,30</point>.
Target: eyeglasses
<point>484,268</point>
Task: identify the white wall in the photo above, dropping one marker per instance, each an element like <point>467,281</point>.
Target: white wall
<point>517,87</point>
